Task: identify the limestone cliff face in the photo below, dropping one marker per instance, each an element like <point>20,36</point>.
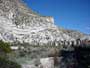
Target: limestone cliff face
<point>19,23</point>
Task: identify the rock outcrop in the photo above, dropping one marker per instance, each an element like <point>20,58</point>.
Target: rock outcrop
<point>19,23</point>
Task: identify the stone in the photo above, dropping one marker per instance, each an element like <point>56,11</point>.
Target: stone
<point>47,62</point>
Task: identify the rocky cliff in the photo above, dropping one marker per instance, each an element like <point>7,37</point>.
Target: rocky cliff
<point>20,23</point>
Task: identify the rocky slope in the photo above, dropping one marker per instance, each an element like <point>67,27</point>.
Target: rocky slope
<point>20,23</point>
<point>74,34</point>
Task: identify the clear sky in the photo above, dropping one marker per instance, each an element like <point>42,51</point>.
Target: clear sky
<point>70,14</point>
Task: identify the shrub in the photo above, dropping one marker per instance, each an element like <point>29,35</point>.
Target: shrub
<point>4,63</point>
<point>4,47</point>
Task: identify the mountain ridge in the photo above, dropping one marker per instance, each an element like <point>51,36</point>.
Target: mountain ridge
<point>19,23</point>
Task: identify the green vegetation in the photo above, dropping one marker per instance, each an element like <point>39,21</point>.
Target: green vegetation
<point>4,62</point>
<point>4,47</point>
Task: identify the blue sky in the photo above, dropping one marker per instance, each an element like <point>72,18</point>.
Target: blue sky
<point>70,14</point>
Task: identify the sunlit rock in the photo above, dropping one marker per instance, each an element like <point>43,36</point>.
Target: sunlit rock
<point>47,62</point>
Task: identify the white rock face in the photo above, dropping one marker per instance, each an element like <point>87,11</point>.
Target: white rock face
<point>10,32</point>
<point>44,63</point>
<point>47,62</point>
<point>28,66</point>
<point>19,23</point>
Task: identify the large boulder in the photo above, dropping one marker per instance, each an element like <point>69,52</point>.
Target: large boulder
<point>47,62</point>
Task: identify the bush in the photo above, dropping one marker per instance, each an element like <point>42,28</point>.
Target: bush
<point>4,47</point>
<point>4,63</point>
